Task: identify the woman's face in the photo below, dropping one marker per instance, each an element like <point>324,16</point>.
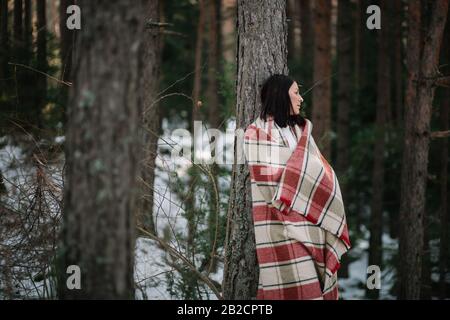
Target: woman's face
<point>296,98</point>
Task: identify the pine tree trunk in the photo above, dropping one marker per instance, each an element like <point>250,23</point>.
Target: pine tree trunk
<point>4,40</point>
<point>28,32</point>
<point>398,60</point>
<point>344,103</point>
<point>212,87</point>
<point>18,25</point>
<point>419,96</point>
<point>383,101</point>
<point>262,51</point>
<point>321,113</point>
<point>228,26</point>
<point>195,116</point>
<point>53,14</point>
<point>103,151</point>
<point>67,40</point>
<point>215,121</point>
<point>444,126</point>
<point>151,60</point>
<point>41,80</point>
<point>307,42</point>
<point>293,15</point>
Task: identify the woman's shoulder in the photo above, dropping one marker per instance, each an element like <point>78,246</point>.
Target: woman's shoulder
<point>256,129</point>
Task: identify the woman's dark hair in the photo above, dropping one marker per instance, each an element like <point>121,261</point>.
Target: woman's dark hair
<point>276,102</point>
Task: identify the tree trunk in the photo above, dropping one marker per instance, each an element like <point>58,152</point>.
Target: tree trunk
<point>293,14</point>
<point>103,151</point>
<point>398,60</point>
<point>444,121</point>
<point>4,41</point>
<point>419,96</point>
<point>228,29</point>
<point>215,122</point>
<point>307,42</point>
<point>195,116</point>
<point>18,25</point>
<point>344,103</point>
<point>41,81</point>
<point>67,40</point>
<point>212,88</point>
<point>383,101</point>
<point>151,61</point>
<point>321,113</point>
<point>262,51</point>
<point>53,21</point>
<point>358,47</point>
<point>28,32</point>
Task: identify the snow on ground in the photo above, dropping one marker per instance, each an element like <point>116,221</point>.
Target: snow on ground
<point>354,287</point>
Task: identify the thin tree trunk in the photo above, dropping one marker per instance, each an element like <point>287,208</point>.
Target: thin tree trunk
<point>28,32</point>
<point>214,114</point>
<point>344,97</point>
<point>444,124</point>
<point>398,60</point>
<point>195,116</point>
<point>4,40</point>
<point>212,88</point>
<point>321,113</point>
<point>41,60</point>
<point>103,151</point>
<point>151,61</point>
<point>228,29</point>
<point>307,42</point>
<point>383,101</point>
<point>419,96</point>
<point>53,21</point>
<point>67,40</point>
<point>293,14</point>
<point>262,51</point>
<point>18,25</point>
<point>364,48</point>
<point>358,48</point>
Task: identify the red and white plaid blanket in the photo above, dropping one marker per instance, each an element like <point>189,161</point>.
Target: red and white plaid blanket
<point>300,224</point>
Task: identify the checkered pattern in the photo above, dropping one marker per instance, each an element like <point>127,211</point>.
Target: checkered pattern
<point>300,224</point>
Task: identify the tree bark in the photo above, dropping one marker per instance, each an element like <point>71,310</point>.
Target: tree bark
<point>307,42</point>
<point>398,60</point>
<point>103,151</point>
<point>67,40</point>
<point>195,116</point>
<point>212,87</point>
<point>215,122</point>
<point>344,100</point>
<point>321,113</point>
<point>261,51</point>
<point>228,29</point>
<point>422,61</point>
<point>18,25</point>
<point>28,32</point>
<point>293,14</point>
<point>151,61</point>
<point>42,65</point>
<point>382,107</point>
<point>4,40</point>
<point>444,125</point>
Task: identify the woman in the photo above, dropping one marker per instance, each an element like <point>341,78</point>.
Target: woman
<point>300,224</point>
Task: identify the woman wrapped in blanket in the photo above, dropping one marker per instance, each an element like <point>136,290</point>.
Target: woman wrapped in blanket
<point>299,217</point>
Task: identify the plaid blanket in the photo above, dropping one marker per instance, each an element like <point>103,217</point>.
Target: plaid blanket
<point>300,224</point>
